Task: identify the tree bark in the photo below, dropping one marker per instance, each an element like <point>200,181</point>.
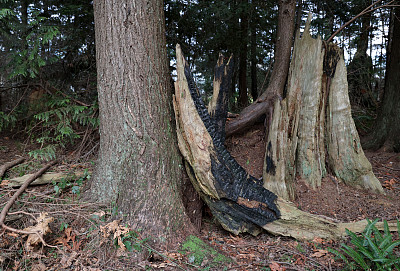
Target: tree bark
<point>139,166</point>
<point>253,112</point>
<point>387,128</point>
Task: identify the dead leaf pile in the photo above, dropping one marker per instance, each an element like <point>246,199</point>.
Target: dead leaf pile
<point>388,184</point>
<point>40,229</point>
<point>69,241</point>
<point>118,230</point>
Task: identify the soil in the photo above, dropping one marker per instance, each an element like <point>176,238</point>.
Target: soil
<point>83,246</point>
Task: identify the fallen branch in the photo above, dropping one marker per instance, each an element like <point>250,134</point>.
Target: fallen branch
<point>20,191</point>
<point>8,165</point>
<point>365,11</point>
<point>304,226</point>
<point>43,179</point>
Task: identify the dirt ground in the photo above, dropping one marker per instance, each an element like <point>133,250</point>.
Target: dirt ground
<point>332,199</point>
<point>81,235</point>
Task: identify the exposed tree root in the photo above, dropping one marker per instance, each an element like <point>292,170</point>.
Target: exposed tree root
<point>8,165</point>
<point>11,201</point>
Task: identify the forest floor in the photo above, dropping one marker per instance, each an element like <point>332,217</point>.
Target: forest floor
<point>84,236</point>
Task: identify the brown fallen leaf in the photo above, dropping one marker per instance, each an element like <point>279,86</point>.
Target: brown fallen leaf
<point>389,184</point>
<point>67,260</point>
<point>4,183</point>
<point>118,230</point>
<point>276,266</point>
<point>318,240</point>
<point>320,253</point>
<point>42,228</point>
<point>70,237</point>
<point>39,267</point>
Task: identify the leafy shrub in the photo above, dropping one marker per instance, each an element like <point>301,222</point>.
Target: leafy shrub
<point>372,250</point>
<point>74,184</point>
<point>7,120</point>
<point>58,124</point>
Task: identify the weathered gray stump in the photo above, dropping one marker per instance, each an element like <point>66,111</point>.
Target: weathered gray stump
<point>312,133</point>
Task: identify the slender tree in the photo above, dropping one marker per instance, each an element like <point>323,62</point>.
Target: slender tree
<point>244,26</point>
<point>139,163</point>
<point>253,50</point>
<point>387,128</point>
<point>279,74</point>
<point>360,68</point>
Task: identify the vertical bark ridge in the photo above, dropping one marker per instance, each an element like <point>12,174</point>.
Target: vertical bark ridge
<point>139,166</point>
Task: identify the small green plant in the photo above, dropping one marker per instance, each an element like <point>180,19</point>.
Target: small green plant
<point>75,185</point>
<point>132,241</point>
<point>63,226</point>
<point>372,250</point>
<point>300,248</point>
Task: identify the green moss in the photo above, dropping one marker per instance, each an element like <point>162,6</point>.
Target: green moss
<point>198,252</point>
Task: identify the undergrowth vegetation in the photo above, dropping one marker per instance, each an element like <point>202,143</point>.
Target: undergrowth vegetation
<point>371,250</point>
<point>54,122</point>
<point>59,124</point>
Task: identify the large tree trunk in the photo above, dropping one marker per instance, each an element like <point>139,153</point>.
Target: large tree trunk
<point>312,133</point>
<point>253,112</point>
<point>139,166</point>
<point>387,129</point>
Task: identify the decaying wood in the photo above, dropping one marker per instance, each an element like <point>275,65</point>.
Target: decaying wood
<point>306,227</point>
<point>237,200</point>
<point>43,179</point>
<point>218,106</point>
<point>8,165</point>
<point>312,132</point>
<point>27,182</point>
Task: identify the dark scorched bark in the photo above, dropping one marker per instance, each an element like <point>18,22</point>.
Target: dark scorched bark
<point>243,199</point>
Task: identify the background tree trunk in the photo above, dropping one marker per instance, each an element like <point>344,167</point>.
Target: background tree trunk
<point>244,26</point>
<point>139,163</point>
<point>387,129</point>
<point>360,68</point>
<point>253,51</point>
<point>253,112</point>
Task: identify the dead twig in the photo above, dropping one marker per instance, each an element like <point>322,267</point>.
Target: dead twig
<point>8,165</point>
<point>365,11</point>
<point>11,201</point>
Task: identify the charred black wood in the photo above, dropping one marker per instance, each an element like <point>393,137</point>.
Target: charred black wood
<point>243,199</point>
<point>223,72</point>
